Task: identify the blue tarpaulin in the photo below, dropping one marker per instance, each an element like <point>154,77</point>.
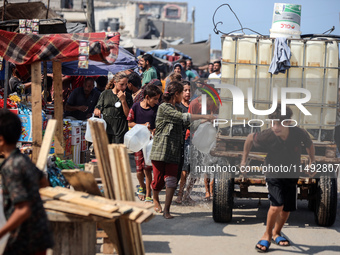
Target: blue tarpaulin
<point>169,51</point>
<point>124,61</point>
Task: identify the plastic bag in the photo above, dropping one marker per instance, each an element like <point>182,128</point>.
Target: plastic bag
<point>147,152</point>
<point>88,136</point>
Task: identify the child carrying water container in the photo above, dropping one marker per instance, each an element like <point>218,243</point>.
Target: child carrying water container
<point>144,113</point>
<point>166,149</point>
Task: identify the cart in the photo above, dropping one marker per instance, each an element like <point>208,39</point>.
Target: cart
<point>320,191</point>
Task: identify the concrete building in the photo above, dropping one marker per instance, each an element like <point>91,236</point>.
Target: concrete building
<point>143,19</point>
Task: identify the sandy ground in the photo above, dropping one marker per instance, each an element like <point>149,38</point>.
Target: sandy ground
<point>193,230</point>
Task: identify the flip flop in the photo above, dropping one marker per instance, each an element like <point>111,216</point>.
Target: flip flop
<point>264,243</point>
<point>148,200</point>
<point>141,192</point>
<point>281,239</point>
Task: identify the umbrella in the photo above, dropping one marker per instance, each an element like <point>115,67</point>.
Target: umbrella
<point>124,61</point>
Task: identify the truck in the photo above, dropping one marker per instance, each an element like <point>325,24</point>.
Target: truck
<point>314,68</point>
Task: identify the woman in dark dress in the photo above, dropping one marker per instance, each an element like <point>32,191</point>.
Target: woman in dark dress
<point>114,104</point>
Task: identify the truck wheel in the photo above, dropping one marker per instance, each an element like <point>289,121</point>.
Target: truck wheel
<point>326,201</point>
<point>223,199</point>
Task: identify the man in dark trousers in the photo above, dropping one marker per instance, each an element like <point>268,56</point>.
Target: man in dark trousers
<point>283,144</point>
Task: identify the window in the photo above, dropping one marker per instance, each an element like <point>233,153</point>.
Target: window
<point>172,12</point>
<point>67,4</point>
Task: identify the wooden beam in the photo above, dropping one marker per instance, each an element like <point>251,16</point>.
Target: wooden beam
<point>36,110</point>
<point>58,108</point>
<point>46,144</point>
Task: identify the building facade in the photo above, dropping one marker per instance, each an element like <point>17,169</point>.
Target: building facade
<point>135,19</point>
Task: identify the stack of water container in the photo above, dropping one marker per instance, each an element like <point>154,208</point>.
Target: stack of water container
<point>314,66</point>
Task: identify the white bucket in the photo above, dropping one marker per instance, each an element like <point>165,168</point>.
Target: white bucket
<point>286,21</point>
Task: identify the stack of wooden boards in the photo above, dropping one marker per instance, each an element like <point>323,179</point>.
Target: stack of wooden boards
<point>84,206</point>
<point>115,172</point>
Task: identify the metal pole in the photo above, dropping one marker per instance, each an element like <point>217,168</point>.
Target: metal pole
<point>48,8</point>
<point>6,84</point>
<point>4,10</point>
<point>45,82</point>
<point>193,25</point>
<point>90,16</point>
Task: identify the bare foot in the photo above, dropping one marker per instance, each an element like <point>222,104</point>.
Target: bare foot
<point>157,207</point>
<point>167,215</point>
<point>179,198</point>
<point>141,197</point>
<point>207,195</point>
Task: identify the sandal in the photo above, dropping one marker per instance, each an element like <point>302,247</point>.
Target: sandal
<point>263,243</point>
<point>141,193</point>
<point>148,200</point>
<point>280,239</point>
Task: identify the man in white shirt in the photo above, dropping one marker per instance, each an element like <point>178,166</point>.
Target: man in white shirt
<point>217,71</point>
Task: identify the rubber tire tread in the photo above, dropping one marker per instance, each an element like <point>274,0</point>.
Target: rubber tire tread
<point>326,201</point>
<point>223,199</point>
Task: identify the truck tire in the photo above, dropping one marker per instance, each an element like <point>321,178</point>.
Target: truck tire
<point>326,201</point>
<point>223,199</point>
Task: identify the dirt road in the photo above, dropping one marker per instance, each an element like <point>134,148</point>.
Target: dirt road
<point>193,230</point>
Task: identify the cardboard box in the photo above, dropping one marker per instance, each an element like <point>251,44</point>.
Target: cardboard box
<point>76,129</point>
<point>76,140</point>
<point>93,168</point>
<point>83,141</point>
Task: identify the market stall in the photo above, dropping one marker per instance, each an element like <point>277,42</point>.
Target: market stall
<point>27,51</point>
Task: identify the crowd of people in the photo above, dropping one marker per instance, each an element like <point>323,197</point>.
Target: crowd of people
<point>170,109</point>
<point>140,97</point>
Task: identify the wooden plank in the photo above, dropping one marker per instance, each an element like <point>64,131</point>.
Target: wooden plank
<point>100,148</point>
<point>76,199</point>
<point>112,233</point>
<point>36,110</point>
<point>53,215</point>
<point>133,215</point>
<point>127,172</point>
<point>124,206</point>
<point>260,156</point>
<point>116,178</point>
<point>58,108</point>
<point>57,206</point>
<point>146,216</point>
<point>46,144</point>
<point>74,238</point>
<point>82,181</point>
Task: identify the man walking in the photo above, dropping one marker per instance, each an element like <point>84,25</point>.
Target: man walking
<point>283,144</point>
<point>150,72</point>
